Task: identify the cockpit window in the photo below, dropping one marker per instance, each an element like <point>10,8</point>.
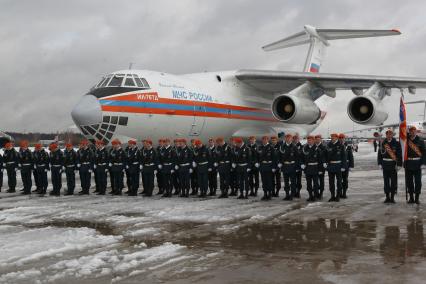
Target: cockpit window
<point>129,81</point>
<point>105,81</point>
<point>116,80</point>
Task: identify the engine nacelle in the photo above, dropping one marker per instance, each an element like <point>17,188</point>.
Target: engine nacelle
<point>366,110</point>
<point>294,109</point>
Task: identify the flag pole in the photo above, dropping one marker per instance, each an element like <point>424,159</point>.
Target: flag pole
<point>403,138</point>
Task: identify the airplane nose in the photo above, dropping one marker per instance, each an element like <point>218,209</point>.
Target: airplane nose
<point>87,111</point>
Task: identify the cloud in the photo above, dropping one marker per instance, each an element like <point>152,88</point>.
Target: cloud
<point>52,52</point>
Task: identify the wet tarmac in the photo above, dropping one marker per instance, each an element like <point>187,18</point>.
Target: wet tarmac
<point>94,239</point>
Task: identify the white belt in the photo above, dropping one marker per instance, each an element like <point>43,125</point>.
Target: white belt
<point>151,164</point>
<point>243,164</point>
<point>414,159</point>
<point>85,163</point>
<point>312,164</point>
<point>135,163</point>
<point>10,163</point>
<point>184,165</point>
<point>57,166</point>
<point>203,163</point>
<point>26,164</point>
<point>117,164</point>
<point>167,164</point>
<point>225,162</point>
<point>289,163</point>
<point>266,162</point>
<point>335,162</point>
<point>389,160</point>
<point>103,164</point>
<point>41,165</point>
<point>72,166</point>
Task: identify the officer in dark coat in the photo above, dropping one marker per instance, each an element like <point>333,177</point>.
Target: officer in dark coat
<point>242,164</point>
<point>175,173</point>
<point>202,164</point>
<point>166,166</point>
<point>1,171</point>
<point>288,161</point>
<point>184,159</point>
<point>321,174</point>
<point>159,150</point>
<point>267,165</point>
<point>85,166</point>
<point>254,173</point>
<point>56,158</point>
<point>194,175</point>
<point>336,164</point>
<point>26,164</point>
<point>296,141</point>
<point>100,166</point>
<point>149,163</point>
<point>310,164</point>
<point>233,182</point>
<point>389,159</point>
<point>11,163</point>
<point>349,164</point>
<point>212,167</point>
<point>42,166</point>
<point>224,159</point>
<point>133,162</point>
<point>277,174</point>
<point>416,159</point>
<point>70,164</point>
<point>117,164</point>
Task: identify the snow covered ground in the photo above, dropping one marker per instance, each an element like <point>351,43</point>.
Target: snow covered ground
<point>110,239</point>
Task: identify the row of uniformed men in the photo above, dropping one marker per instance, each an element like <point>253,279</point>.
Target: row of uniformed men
<point>193,167</point>
<point>390,160</point>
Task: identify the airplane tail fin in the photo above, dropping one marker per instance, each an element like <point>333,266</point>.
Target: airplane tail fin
<point>319,40</point>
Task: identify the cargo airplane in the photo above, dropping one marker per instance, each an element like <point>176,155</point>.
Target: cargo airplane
<point>136,104</point>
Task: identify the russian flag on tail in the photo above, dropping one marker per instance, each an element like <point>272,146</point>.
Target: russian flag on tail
<point>403,129</point>
<point>314,68</point>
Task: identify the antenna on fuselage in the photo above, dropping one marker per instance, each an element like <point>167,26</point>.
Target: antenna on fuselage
<point>130,65</point>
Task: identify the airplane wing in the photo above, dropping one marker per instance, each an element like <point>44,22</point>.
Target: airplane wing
<point>378,128</point>
<point>283,81</point>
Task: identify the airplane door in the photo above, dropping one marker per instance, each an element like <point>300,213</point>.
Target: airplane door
<point>199,121</point>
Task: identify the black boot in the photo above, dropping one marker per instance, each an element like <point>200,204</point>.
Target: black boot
<point>287,196</point>
<point>411,200</point>
<point>417,201</point>
<point>333,197</point>
<point>265,195</point>
<point>392,197</point>
<point>344,194</point>
<point>387,200</point>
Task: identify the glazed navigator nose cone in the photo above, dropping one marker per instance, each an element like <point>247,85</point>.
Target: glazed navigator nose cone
<point>87,111</point>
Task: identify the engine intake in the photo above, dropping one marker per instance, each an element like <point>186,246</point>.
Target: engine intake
<point>366,110</point>
<point>297,110</point>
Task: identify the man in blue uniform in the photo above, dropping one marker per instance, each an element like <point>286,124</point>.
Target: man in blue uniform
<point>11,162</point>
<point>416,160</point>
<point>159,176</point>
<point>288,161</point>
<point>166,166</point>
<point>101,161</point>
<point>85,166</point>
<point>242,164</point>
<point>336,164</point>
<point>277,175</point>
<point>202,164</point>
<point>1,171</point>
<point>70,164</point>
<point>56,158</point>
<point>175,173</point>
<point>117,164</point>
<point>194,175</point>
<point>349,164</point>
<point>149,163</point>
<point>321,174</point>
<point>41,163</point>
<point>184,159</point>
<point>296,141</point>
<point>267,165</point>
<point>26,163</point>
<point>132,168</point>
<point>224,160</point>
<point>233,182</point>
<point>389,158</point>
<point>254,173</point>
<point>310,164</point>
<point>212,167</point>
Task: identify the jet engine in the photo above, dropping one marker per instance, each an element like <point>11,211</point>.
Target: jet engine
<point>367,109</point>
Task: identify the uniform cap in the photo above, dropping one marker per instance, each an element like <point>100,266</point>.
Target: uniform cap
<point>211,140</point>
<point>131,142</point>
<point>389,131</point>
<point>265,138</point>
<point>161,140</point>
<point>252,137</point>
<point>8,145</point>
<point>334,135</point>
<point>318,136</point>
<point>37,146</point>
<point>69,145</point>
<point>412,127</point>
<point>149,141</point>
<point>342,136</point>
<point>84,142</point>
<point>310,137</point>
<point>219,139</point>
<point>198,142</point>
<point>98,142</point>
<point>167,140</point>
<point>274,138</point>
<point>116,142</point>
<point>238,140</point>
<point>24,144</point>
<point>53,146</point>
<point>288,135</point>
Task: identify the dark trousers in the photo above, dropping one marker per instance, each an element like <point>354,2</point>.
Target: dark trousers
<point>42,179</point>
<point>56,179</point>
<point>101,179</point>
<point>133,181</point>
<point>267,182</point>
<point>70,176</point>
<point>35,179</point>
<point>335,178</point>
<point>203,181</point>
<point>224,180</point>
<point>299,181</point>
<point>1,179</point>
<point>321,178</point>
<point>233,182</point>
<point>148,182</point>
<point>160,182</point>
<point>243,180</point>
<point>194,181</point>
<point>213,181</point>
<point>254,180</point>
<point>277,181</point>
<point>176,183</point>
<point>290,180</point>
<point>85,179</point>
<point>312,185</point>
<point>184,179</point>
<point>128,179</point>
<point>414,181</point>
<point>345,176</point>
<point>117,181</point>
<point>167,182</point>
<point>11,178</point>
<point>26,179</point>
<point>390,180</point>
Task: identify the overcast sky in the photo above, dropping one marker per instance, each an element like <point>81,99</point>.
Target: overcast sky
<point>52,52</point>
